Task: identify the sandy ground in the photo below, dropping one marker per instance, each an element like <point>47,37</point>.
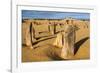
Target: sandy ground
<point>47,52</point>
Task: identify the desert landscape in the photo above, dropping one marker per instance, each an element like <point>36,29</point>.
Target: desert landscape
<point>55,39</point>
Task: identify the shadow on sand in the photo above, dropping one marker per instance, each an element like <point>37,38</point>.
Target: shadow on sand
<point>79,43</point>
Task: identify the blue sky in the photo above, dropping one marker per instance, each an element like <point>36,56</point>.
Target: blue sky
<point>31,14</point>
